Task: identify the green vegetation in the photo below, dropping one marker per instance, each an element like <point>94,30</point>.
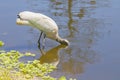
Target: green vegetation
<point>9,62</point>
<point>11,68</point>
<point>1,43</point>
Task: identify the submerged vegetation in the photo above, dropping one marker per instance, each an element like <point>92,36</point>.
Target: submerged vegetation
<point>11,68</point>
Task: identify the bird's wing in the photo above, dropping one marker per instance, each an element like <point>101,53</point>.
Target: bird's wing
<point>46,23</point>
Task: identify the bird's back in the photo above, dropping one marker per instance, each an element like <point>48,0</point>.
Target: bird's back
<point>45,24</point>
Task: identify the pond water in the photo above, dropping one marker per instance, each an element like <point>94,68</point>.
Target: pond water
<point>91,26</point>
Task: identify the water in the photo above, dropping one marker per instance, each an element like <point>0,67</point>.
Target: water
<point>91,26</point>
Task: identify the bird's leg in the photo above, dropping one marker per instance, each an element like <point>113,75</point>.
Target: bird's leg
<point>42,51</point>
<point>39,46</point>
<point>43,42</point>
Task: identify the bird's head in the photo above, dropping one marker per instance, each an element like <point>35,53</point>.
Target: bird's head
<point>65,42</point>
<point>62,41</point>
<point>24,17</point>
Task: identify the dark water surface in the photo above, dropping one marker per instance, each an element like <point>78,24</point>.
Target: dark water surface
<point>91,26</point>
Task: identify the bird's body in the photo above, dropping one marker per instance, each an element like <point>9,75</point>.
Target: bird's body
<point>42,22</point>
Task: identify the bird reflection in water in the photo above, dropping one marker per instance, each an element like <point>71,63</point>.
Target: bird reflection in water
<point>51,56</point>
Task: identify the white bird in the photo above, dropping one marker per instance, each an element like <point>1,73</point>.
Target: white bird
<point>42,22</point>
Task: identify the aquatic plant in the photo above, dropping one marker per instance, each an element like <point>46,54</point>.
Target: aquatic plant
<point>10,61</point>
<point>1,43</point>
<point>11,68</point>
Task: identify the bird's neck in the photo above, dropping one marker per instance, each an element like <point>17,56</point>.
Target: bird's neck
<point>62,41</point>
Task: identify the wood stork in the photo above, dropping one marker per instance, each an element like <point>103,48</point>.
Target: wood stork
<point>43,23</point>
